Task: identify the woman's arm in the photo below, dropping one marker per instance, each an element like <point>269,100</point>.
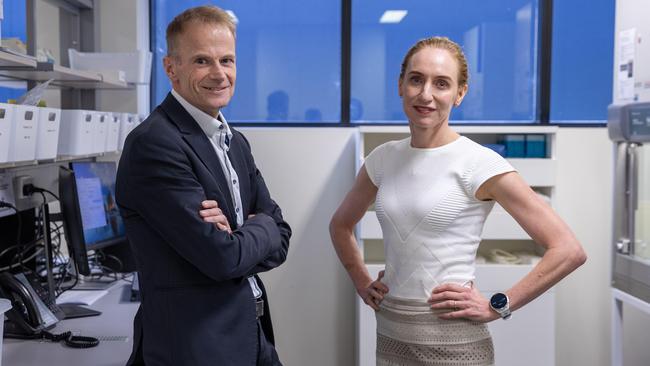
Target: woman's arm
<point>563,251</point>
<point>348,214</point>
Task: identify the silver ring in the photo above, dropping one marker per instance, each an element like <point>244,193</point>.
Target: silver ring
<point>453,304</point>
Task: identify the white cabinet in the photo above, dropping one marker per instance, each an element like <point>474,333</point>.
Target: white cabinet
<point>530,334</point>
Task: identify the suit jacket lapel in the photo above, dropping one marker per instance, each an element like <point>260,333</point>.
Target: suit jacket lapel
<point>195,137</point>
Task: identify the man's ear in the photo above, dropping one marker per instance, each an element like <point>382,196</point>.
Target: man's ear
<point>170,70</point>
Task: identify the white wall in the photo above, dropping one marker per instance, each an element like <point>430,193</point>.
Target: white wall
<point>47,37</point>
<point>122,26</point>
<point>584,200</point>
<point>308,171</point>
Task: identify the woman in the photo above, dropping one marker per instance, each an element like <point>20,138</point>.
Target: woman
<point>433,192</point>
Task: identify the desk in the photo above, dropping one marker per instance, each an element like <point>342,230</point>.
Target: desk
<point>116,322</point>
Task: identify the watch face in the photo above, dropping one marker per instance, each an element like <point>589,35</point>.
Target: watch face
<point>498,300</point>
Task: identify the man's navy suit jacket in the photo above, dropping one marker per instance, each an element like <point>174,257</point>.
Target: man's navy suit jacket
<point>197,305</point>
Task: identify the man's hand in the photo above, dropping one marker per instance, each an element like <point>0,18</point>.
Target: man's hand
<point>210,212</point>
<point>373,294</point>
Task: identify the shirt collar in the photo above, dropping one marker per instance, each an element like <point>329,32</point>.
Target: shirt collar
<point>210,125</point>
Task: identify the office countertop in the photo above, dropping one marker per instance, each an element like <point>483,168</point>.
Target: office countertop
<point>114,328</point>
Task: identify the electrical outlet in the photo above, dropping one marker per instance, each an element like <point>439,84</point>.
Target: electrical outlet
<point>20,182</point>
<point>6,194</point>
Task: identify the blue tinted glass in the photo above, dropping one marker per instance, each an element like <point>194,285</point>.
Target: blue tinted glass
<point>499,39</point>
<point>288,58</point>
<point>583,54</point>
<point>13,26</point>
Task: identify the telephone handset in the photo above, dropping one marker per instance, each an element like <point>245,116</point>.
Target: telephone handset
<point>31,311</point>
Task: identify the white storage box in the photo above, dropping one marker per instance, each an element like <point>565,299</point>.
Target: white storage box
<point>113,136</point>
<point>100,132</point>
<point>6,125</point>
<point>22,146</point>
<point>127,123</point>
<point>47,136</point>
<point>5,305</point>
<point>136,65</point>
<point>76,132</point>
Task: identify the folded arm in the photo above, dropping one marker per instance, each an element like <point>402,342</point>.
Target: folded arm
<point>164,190</point>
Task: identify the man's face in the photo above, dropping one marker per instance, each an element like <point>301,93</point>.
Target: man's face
<point>202,67</point>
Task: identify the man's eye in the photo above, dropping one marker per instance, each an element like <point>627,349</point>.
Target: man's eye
<point>201,61</point>
<point>227,61</point>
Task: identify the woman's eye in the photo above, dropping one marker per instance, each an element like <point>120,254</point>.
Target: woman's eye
<point>442,84</point>
<point>416,79</point>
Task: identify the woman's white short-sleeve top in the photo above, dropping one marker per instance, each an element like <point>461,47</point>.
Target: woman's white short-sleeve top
<point>429,214</point>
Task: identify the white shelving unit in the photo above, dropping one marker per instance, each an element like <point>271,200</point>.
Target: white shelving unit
<point>530,333</point>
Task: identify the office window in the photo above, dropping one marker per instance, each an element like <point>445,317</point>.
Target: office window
<point>13,26</point>
<point>288,58</point>
<point>499,38</point>
<point>583,56</point>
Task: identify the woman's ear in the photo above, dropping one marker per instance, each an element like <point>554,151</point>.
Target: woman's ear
<point>399,87</point>
<point>462,91</point>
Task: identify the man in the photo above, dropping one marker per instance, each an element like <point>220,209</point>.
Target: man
<point>202,303</point>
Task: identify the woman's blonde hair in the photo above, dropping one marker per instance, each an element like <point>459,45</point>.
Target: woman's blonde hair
<point>442,43</point>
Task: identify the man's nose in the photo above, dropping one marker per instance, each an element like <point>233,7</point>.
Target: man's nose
<point>217,72</point>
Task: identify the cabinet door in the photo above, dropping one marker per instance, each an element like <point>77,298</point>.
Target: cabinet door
<point>642,218</point>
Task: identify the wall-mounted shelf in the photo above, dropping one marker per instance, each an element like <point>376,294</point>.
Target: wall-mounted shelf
<point>10,61</point>
<point>21,68</point>
<point>59,159</point>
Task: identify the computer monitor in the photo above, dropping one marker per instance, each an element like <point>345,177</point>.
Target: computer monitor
<point>91,217</point>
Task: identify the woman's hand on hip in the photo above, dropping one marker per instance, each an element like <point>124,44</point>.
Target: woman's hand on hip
<point>461,302</point>
<point>373,293</point>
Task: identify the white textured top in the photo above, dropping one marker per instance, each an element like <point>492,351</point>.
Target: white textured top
<point>429,214</point>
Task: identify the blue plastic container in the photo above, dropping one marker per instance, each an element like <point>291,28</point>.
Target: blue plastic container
<point>535,146</point>
<point>515,145</point>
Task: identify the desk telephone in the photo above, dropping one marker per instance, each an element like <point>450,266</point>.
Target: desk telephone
<point>32,310</point>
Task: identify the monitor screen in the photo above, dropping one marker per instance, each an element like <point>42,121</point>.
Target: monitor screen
<point>90,217</point>
<point>100,218</point>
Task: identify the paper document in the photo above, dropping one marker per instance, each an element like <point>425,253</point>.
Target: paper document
<point>84,297</point>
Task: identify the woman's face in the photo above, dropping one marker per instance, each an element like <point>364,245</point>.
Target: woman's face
<point>430,88</point>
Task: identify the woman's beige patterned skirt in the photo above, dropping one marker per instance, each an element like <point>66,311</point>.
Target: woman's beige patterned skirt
<point>409,333</point>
